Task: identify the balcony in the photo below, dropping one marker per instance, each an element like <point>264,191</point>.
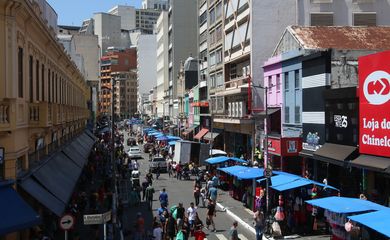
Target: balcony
<point>225,118</point>
<point>236,86</point>
<point>4,115</point>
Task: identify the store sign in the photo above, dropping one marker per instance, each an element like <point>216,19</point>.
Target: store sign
<point>284,146</point>
<point>374,94</point>
<point>312,142</point>
<point>340,121</point>
<point>274,146</point>
<point>291,146</point>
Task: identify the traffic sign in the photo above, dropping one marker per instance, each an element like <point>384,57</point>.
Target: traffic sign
<point>267,172</point>
<point>95,219</point>
<point>66,222</point>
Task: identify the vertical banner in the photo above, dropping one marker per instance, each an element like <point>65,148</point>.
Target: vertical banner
<point>374,104</point>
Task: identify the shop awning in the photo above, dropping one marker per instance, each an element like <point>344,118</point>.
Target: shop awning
<point>286,181</point>
<point>173,138</point>
<point>43,196</point>
<point>345,205</point>
<point>306,153</point>
<point>217,160</point>
<point>16,214</point>
<point>243,173</point>
<point>190,129</point>
<point>73,152</point>
<point>201,133</point>
<point>334,153</point>
<point>375,220</point>
<point>210,136</point>
<point>375,163</point>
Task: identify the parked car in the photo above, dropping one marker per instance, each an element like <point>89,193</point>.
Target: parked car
<point>148,147</point>
<point>160,162</point>
<point>131,142</point>
<point>134,152</point>
<point>135,178</point>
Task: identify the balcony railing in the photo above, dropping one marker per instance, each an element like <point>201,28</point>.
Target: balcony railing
<point>34,113</point>
<point>4,114</point>
<point>237,82</point>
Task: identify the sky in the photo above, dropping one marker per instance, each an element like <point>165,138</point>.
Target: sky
<point>73,12</point>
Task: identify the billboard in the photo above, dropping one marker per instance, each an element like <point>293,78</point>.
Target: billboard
<point>374,104</point>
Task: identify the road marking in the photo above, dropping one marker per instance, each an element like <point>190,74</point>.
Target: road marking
<point>221,237</point>
<point>249,211</point>
<point>242,237</point>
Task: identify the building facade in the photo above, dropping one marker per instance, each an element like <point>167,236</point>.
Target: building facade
<point>127,14</point>
<point>115,61</point>
<point>108,29</point>
<point>125,94</point>
<point>155,4</point>
<point>182,42</point>
<point>162,83</point>
<point>43,95</point>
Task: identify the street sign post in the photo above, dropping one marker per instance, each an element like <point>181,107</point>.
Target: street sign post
<point>66,223</point>
<point>96,219</point>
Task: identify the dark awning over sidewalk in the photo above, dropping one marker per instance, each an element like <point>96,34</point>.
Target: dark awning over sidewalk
<point>16,214</point>
<point>379,164</point>
<point>334,153</point>
<point>52,184</point>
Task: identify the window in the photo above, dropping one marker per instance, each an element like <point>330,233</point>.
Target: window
<point>278,82</point>
<point>48,86</point>
<point>218,10</point>
<point>37,80</point>
<point>296,78</point>
<point>286,114</point>
<point>219,80</point>
<point>297,114</point>
<point>30,76</point>
<point>286,83</point>
<point>203,18</point>
<point>43,82</point>
<point>218,56</point>
<point>212,16</point>
<point>20,72</point>
<point>364,19</point>
<point>269,84</point>
<point>321,19</point>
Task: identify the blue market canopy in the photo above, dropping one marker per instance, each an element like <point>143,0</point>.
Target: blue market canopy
<point>345,205</point>
<point>162,138</point>
<point>172,143</point>
<point>243,173</point>
<point>221,159</point>
<point>16,214</point>
<point>286,181</point>
<point>375,220</point>
<point>173,138</point>
<point>154,133</point>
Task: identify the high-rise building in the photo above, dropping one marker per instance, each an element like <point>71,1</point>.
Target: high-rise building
<point>127,14</point>
<point>162,63</point>
<point>155,4</point>
<point>113,61</point>
<point>145,20</point>
<point>182,43</point>
<point>125,93</point>
<point>108,29</point>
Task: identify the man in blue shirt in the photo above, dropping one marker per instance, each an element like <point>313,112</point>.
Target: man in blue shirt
<point>213,193</point>
<point>163,198</point>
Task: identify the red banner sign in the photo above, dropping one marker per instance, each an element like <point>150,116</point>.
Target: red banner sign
<point>374,108</point>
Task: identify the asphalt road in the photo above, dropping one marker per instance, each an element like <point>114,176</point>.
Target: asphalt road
<point>181,191</point>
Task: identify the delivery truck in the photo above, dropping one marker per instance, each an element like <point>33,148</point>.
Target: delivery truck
<point>187,151</point>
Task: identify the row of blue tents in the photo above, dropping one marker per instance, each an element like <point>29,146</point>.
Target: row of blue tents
<point>367,213</point>
<point>161,136</point>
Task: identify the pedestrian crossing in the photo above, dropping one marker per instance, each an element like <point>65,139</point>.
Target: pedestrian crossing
<point>225,236</point>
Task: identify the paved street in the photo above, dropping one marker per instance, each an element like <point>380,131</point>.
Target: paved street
<point>181,191</point>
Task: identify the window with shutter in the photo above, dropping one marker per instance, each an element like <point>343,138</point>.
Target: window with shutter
<point>364,19</point>
<point>321,19</point>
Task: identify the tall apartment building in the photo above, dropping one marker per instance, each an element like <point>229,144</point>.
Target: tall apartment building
<point>182,42</point>
<point>145,20</point>
<point>108,28</point>
<point>125,93</point>
<point>43,107</point>
<point>127,14</point>
<point>146,63</point>
<point>155,4</point>
<point>162,63</point>
<point>114,61</point>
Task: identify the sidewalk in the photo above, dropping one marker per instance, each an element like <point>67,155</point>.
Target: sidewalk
<point>244,216</point>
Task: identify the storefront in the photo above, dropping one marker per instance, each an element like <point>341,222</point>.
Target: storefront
<point>283,153</point>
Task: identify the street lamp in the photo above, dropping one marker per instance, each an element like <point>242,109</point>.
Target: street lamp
<point>267,165</point>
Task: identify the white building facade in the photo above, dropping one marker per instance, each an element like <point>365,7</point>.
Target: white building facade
<point>162,62</point>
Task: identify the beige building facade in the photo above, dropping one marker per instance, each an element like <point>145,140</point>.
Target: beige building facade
<point>43,96</point>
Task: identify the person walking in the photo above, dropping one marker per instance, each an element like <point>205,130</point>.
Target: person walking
<point>145,184</point>
<point>180,214</point>
<point>163,198</point>
<point>157,232</point>
<point>233,233</point>
<point>211,213</point>
<point>258,218</point>
<point>213,193</point>
<point>191,213</point>
<point>149,195</point>
<point>197,194</point>
<point>171,228</point>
